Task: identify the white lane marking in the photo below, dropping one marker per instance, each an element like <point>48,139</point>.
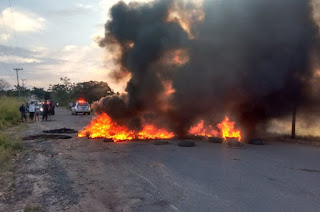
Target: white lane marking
<point>146,179</point>
<point>174,207</point>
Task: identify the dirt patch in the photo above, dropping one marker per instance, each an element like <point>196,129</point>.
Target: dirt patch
<point>62,130</point>
<point>46,137</point>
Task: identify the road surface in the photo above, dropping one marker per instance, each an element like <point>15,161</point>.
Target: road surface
<point>90,175</point>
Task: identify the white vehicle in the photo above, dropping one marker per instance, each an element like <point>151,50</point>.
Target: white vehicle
<point>81,106</point>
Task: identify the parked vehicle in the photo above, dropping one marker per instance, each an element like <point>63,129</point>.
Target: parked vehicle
<point>81,106</point>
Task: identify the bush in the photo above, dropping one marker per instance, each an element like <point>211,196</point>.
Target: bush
<point>9,111</point>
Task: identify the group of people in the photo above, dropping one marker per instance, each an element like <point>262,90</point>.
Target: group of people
<point>34,110</point>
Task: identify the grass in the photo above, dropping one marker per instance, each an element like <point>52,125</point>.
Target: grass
<point>33,208</point>
<point>9,111</point>
<point>8,147</point>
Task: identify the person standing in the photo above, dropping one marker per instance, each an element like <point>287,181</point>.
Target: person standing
<point>70,105</point>
<point>22,110</point>
<point>32,110</point>
<point>37,113</point>
<point>52,107</point>
<point>45,111</point>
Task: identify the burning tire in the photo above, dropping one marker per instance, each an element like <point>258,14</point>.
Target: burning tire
<point>186,144</point>
<point>216,140</point>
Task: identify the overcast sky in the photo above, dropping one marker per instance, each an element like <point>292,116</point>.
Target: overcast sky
<point>50,40</point>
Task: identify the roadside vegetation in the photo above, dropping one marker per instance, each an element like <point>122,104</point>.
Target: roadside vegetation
<point>62,93</point>
<point>9,111</point>
<point>8,148</point>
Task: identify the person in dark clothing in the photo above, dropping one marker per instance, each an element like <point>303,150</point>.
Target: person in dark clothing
<point>52,107</point>
<point>45,108</point>
<point>22,110</point>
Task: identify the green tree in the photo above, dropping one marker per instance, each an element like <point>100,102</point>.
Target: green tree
<point>91,91</point>
<point>62,93</point>
<point>39,92</point>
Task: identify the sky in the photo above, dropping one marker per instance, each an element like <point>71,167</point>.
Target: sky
<point>50,40</point>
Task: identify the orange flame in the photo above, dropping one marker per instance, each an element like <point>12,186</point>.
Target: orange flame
<point>227,129</point>
<point>200,130</point>
<point>103,127</point>
<point>151,132</point>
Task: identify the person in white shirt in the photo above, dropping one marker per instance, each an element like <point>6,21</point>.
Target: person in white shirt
<point>32,110</point>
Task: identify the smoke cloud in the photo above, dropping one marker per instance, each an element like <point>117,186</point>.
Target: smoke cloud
<point>252,60</point>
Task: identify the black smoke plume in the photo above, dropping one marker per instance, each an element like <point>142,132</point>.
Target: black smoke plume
<point>251,59</point>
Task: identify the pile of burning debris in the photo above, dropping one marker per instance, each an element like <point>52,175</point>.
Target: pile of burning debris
<point>104,127</point>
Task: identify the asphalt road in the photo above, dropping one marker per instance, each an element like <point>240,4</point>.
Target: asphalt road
<point>90,175</point>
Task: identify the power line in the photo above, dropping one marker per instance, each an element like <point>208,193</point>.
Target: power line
<point>12,19</point>
<point>5,28</point>
<point>8,41</point>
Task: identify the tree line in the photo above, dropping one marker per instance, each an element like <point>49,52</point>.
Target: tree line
<point>63,92</point>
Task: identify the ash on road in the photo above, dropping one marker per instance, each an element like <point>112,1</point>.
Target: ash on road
<point>91,175</point>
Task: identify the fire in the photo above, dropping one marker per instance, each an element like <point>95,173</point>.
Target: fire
<point>151,132</point>
<point>200,130</point>
<point>227,129</point>
<point>103,127</point>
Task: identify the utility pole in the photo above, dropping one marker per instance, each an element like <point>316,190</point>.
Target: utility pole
<point>294,113</point>
<point>23,82</point>
<point>18,85</point>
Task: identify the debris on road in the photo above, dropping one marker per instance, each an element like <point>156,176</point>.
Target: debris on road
<point>215,140</point>
<point>256,141</point>
<point>234,143</point>
<point>186,144</point>
<point>108,140</point>
<point>46,137</point>
<point>161,142</point>
<point>62,130</point>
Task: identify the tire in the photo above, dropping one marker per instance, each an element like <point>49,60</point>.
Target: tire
<point>89,113</point>
<point>256,141</point>
<point>76,113</point>
<point>186,144</point>
<point>215,140</point>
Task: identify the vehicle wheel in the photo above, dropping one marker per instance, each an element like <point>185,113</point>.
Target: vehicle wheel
<point>76,113</point>
<point>186,144</point>
<point>89,113</point>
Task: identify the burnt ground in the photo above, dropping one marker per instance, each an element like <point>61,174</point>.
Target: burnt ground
<point>91,175</point>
